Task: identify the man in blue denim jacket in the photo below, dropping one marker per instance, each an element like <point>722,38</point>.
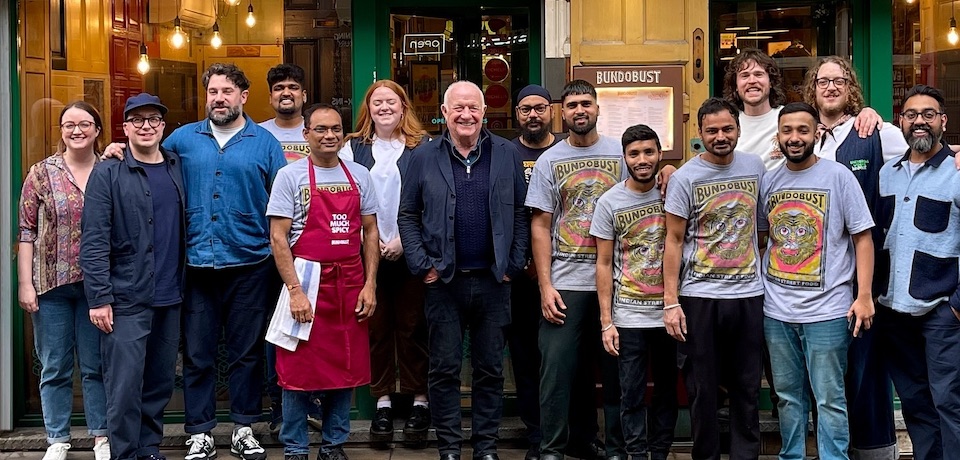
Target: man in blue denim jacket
<point>918,320</point>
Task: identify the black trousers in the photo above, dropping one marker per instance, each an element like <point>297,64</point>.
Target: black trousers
<point>723,347</point>
<point>524,352</point>
<point>648,430</point>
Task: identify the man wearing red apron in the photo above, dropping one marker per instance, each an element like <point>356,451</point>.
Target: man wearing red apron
<point>317,208</point>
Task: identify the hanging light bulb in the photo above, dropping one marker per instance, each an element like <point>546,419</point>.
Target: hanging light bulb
<point>232,2</point>
<point>251,21</point>
<point>177,38</point>
<point>216,42</point>
<point>143,66</point>
<point>952,36</point>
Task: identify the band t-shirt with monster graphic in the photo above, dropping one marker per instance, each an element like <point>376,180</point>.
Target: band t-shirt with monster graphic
<point>809,265</point>
<point>719,202</point>
<point>636,224</point>
<point>567,181</point>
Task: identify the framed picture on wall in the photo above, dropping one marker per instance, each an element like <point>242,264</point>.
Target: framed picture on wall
<point>424,89</point>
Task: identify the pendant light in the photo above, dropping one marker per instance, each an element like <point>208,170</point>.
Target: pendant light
<point>251,21</point>
<point>216,42</point>
<point>143,65</point>
<point>952,35</point>
<point>178,38</point>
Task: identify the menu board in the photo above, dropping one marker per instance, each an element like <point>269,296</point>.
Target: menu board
<point>631,95</point>
<point>621,108</point>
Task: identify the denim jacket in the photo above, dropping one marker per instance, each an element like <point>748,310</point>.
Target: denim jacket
<point>227,190</point>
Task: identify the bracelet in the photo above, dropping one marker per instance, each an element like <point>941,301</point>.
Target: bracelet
<point>291,287</point>
<point>673,305</point>
<point>607,328</point>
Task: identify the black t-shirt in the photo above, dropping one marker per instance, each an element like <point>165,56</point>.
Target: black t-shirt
<point>167,228</point>
<point>528,156</point>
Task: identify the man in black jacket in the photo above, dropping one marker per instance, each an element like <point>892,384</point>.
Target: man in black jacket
<point>465,232</point>
<point>132,255</point>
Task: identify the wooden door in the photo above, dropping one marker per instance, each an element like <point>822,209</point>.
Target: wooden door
<point>125,81</point>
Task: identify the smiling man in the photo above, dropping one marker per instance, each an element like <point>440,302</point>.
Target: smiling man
<point>465,233</point>
<point>629,225</point>
<point>287,97</point>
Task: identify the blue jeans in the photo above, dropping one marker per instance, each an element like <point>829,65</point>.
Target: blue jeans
<point>335,408</point>
<point>481,303</point>
<point>814,353</point>
<point>62,327</point>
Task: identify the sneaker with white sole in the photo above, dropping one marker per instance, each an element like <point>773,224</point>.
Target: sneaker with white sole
<point>57,451</point>
<point>245,445</point>
<point>201,447</point>
<point>101,449</point>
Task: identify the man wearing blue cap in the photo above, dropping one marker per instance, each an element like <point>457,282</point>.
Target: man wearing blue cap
<point>132,255</point>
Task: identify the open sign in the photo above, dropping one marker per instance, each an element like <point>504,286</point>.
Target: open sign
<point>424,44</point>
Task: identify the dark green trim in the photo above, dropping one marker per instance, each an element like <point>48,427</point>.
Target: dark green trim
<point>16,172</point>
<point>878,67</point>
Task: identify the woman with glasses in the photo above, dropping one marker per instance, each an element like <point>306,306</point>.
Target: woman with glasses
<point>387,132</point>
<point>51,283</point>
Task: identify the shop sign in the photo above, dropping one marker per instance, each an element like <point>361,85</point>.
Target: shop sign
<point>496,96</point>
<point>414,44</point>
<point>496,69</point>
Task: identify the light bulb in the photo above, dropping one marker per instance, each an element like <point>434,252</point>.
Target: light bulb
<point>143,65</point>
<point>216,41</point>
<point>251,21</point>
<point>177,39</point>
<point>233,2</point>
<point>952,36</point>
<point>910,2</point>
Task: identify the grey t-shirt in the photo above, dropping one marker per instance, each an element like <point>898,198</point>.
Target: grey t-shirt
<point>636,224</point>
<point>291,140</point>
<point>567,181</point>
<point>809,264</point>
<point>290,196</point>
<point>720,256</point>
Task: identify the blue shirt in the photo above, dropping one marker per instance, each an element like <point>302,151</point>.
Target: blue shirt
<point>167,228</point>
<point>923,236</point>
<point>227,190</point>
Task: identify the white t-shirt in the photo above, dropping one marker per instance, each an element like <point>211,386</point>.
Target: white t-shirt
<point>223,135</point>
<point>291,140</point>
<point>891,139</point>
<point>758,135</point>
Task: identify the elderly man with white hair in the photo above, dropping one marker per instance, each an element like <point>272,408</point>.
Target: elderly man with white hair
<point>465,232</point>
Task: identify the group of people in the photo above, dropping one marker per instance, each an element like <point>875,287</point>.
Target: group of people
<point>798,241</point>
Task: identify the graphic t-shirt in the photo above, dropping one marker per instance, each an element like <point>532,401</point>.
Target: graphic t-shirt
<point>290,196</point>
<point>291,140</point>
<point>528,156</point>
<point>636,224</point>
<point>567,181</point>
<point>810,262</point>
<point>758,135</point>
<point>720,256</point>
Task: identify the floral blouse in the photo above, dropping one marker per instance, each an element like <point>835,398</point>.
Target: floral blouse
<point>51,204</point>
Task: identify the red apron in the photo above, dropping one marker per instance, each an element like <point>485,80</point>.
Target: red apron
<point>338,352</point>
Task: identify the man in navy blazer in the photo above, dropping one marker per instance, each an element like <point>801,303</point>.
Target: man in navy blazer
<point>465,231</point>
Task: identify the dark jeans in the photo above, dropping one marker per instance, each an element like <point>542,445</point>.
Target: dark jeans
<point>335,406</point>
<point>923,353</point>
<point>570,353</point>
<point>139,364</point>
<point>235,301</point>
<point>477,301</point>
<point>869,399</point>
<point>723,347</point>
<point>525,353</point>
<point>398,332</point>
<point>648,431</point>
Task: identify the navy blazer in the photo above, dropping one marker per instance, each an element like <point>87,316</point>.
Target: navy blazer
<point>428,205</point>
<point>116,246</point>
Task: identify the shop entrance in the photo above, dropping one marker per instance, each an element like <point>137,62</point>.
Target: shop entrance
<point>433,47</point>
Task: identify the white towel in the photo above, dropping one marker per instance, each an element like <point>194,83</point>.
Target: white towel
<point>284,331</point>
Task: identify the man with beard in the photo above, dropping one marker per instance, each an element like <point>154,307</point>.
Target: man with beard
<point>565,184</point>
<point>713,303</point>
<point>534,115</point>
<point>917,322</point>
<point>229,164</point>
<point>629,226</point>
<point>287,96</point>
<point>819,227</point>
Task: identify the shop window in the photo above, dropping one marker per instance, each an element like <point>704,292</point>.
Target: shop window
<point>793,33</point>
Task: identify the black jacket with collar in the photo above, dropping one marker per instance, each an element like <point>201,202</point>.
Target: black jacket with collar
<point>428,205</point>
<point>116,246</point>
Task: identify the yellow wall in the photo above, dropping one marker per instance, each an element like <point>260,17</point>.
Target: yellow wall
<point>637,32</point>
<point>255,61</point>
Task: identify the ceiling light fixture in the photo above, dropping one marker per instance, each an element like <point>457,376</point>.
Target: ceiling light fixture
<point>143,65</point>
<point>952,36</point>
<point>251,21</point>
<point>177,38</point>
<point>216,42</point>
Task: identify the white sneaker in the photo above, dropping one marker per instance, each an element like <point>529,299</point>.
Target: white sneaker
<point>101,449</point>
<point>201,447</point>
<point>246,446</point>
<point>57,451</point>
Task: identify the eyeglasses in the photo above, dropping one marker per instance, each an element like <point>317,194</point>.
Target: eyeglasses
<point>525,109</point>
<point>138,122</point>
<point>839,82</point>
<point>84,126</point>
<point>322,130</point>
<point>928,114</point>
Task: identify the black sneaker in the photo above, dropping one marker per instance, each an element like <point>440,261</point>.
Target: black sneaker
<point>335,453</point>
<point>382,423</point>
<point>244,445</point>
